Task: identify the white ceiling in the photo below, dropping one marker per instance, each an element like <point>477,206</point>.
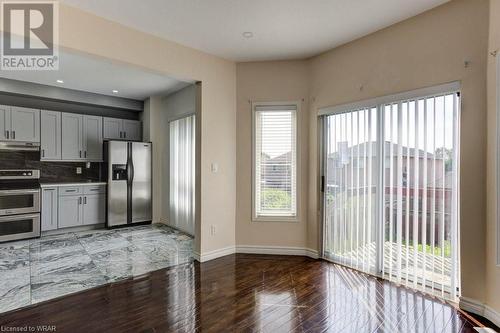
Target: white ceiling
<point>282,29</point>
<point>101,76</point>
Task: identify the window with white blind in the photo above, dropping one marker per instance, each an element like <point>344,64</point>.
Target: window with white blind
<point>275,161</point>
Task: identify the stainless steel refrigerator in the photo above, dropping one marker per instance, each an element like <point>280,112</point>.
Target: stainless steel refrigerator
<point>128,168</point>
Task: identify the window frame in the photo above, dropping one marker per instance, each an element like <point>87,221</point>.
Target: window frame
<point>270,218</point>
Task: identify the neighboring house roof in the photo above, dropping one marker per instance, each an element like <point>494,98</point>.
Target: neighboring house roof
<point>353,151</point>
<point>280,158</point>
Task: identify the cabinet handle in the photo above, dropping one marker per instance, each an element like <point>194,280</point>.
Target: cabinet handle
<point>84,200</point>
<point>79,200</point>
<point>13,135</point>
<point>80,154</point>
<point>85,154</point>
<point>7,134</point>
<point>43,152</point>
<point>68,191</point>
<point>124,135</point>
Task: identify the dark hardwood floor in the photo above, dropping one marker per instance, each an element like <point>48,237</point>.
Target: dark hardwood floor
<point>247,293</point>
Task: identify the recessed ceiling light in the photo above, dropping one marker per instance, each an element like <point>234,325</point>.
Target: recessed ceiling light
<point>115,91</point>
<point>59,81</point>
<point>248,34</point>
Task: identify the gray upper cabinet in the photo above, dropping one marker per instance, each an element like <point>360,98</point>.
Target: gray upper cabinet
<point>4,122</point>
<point>124,129</point>
<point>72,136</point>
<point>19,124</point>
<point>25,124</point>
<point>92,138</point>
<point>50,135</point>
<point>112,128</point>
<point>132,130</point>
<point>49,208</point>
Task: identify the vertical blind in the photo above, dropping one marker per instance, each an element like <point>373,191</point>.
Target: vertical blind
<point>350,207</point>
<point>391,193</point>
<point>420,193</point>
<point>275,158</point>
<point>182,174</point>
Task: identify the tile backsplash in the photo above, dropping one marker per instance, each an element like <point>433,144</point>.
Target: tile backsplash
<point>49,171</point>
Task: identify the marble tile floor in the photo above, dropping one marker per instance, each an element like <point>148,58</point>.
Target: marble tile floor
<point>36,270</point>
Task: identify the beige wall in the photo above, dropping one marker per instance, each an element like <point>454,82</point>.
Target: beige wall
<point>426,50</point>
<point>261,82</point>
<point>492,271</point>
<point>83,32</point>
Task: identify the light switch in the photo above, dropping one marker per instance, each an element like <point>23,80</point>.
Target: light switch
<point>215,168</point>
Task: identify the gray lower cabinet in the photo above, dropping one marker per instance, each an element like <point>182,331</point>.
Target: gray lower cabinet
<point>49,208</point>
<point>70,211</point>
<point>94,209</point>
<point>73,206</point>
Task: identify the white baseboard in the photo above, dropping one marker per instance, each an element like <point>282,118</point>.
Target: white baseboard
<point>255,249</point>
<point>474,306</point>
<point>277,250</point>
<point>211,255</point>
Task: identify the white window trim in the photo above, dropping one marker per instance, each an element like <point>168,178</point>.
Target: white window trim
<point>498,155</point>
<point>295,218</point>
<point>407,95</point>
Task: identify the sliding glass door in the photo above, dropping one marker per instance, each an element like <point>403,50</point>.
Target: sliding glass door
<point>391,189</point>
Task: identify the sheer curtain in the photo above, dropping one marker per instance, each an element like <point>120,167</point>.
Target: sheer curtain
<point>182,173</point>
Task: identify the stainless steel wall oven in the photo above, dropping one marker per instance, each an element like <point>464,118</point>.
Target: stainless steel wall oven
<point>19,204</point>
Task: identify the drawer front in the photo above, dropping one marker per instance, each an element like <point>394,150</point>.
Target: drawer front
<point>94,189</point>
<point>70,190</point>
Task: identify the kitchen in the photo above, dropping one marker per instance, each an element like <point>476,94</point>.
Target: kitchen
<point>77,183</point>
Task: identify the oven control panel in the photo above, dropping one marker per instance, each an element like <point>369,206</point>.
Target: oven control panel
<point>19,174</point>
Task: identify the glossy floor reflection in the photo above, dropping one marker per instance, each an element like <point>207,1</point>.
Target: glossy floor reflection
<point>40,269</point>
<point>247,293</point>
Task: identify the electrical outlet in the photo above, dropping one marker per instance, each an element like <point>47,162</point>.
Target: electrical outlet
<point>212,230</point>
<point>78,170</point>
